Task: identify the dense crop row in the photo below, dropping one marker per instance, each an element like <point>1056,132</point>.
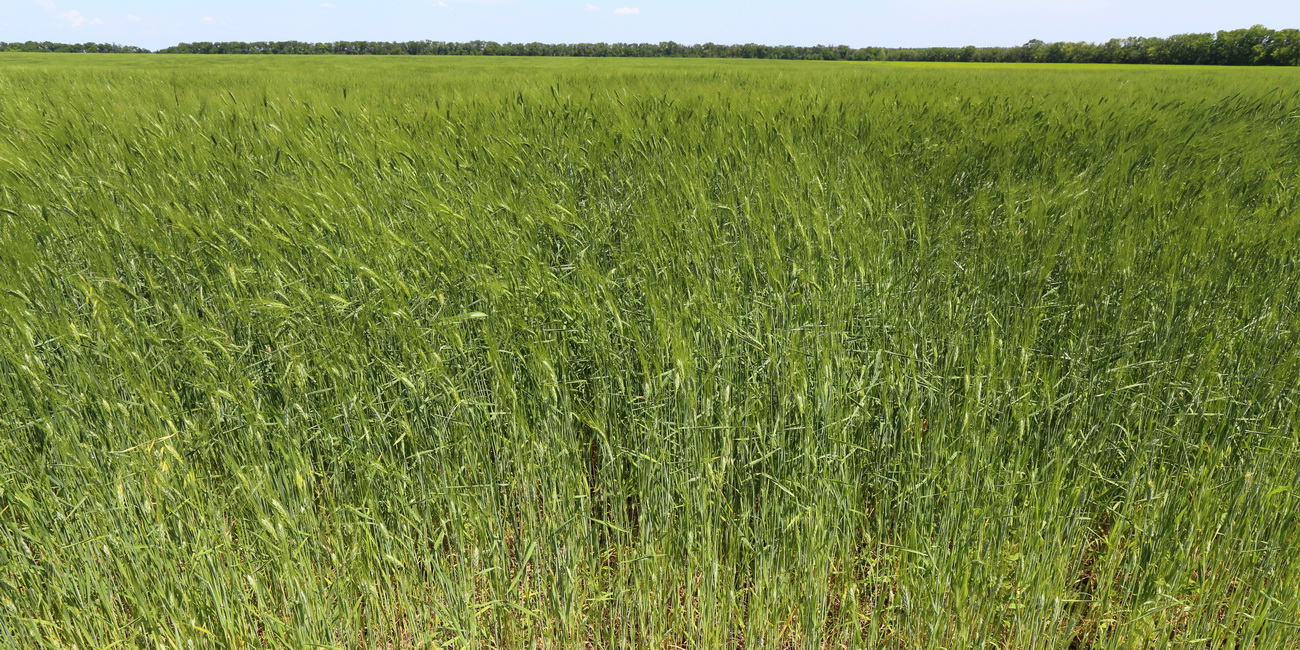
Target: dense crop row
<point>369,353</point>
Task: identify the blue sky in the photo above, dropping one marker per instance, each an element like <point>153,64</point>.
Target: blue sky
<point>893,23</point>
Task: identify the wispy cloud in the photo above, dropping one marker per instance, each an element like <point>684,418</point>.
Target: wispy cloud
<point>72,17</point>
<point>628,11</point>
<point>591,8</point>
<point>214,21</point>
<point>442,5</point>
<point>327,5</point>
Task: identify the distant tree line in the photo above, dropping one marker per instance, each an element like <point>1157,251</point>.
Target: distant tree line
<point>46,46</point>
<point>1256,45</point>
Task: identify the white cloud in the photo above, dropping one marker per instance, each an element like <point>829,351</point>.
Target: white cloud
<point>628,11</point>
<point>209,20</point>
<point>132,18</point>
<point>72,17</point>
<point>327,5</point>
<point>442,5</point>
<point>591,8</point>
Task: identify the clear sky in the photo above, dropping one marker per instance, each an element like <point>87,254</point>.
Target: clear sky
<point>893,23</point>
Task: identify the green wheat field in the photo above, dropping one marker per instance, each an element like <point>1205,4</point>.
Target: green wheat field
<point>318,352</point>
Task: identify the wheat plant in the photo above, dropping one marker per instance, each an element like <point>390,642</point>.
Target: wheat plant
<point>367,353</point>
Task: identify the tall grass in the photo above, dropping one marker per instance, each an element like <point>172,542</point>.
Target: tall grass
<point>500,354</point>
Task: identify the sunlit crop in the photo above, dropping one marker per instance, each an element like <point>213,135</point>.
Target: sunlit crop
<point>362,353</point>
